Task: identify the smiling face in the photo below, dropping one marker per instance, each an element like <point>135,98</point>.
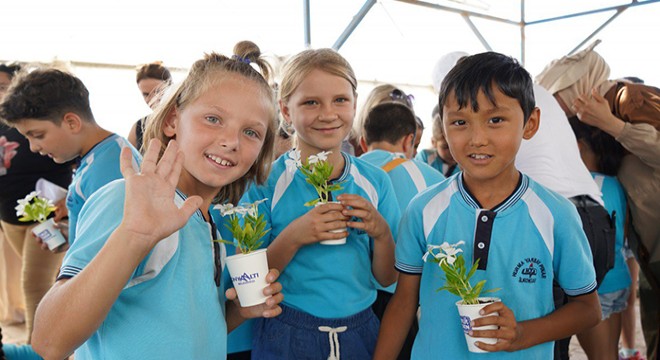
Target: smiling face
<point>321,109</point>
<point>221,133</point>
<point>49,139</point>
<point>485,142</point>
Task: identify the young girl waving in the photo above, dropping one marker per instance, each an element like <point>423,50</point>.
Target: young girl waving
<point>329,289</point>
<point>141,281</point>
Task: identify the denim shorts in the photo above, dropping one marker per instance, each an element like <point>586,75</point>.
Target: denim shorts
<point>613,302</point>
<point>298,335</point>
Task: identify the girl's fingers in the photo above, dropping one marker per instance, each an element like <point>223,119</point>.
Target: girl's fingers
<point>126,162</point>
<point>166,162</point>
<point>150,158</point>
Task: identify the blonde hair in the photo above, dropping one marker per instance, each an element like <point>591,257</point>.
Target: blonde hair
<point>378,95</point>
<point>298,67</point>
<point>203,74</point>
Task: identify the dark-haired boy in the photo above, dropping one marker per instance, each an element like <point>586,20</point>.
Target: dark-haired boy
<point>51,109</point>
<point>388,139</point>
<point>508,222</point>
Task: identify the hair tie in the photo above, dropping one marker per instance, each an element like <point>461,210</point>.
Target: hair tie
<point>241,59</point>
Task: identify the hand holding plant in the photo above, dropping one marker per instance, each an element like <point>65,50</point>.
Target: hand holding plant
<point>34,208</point>
<point>457,275</point>
<point>247,236</point>
<point>317,171</point>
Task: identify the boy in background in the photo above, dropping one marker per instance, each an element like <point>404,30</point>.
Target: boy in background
<point>507,221</point>
<point>51,109</point>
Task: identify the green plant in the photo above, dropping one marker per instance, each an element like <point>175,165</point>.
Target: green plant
<point>247,234</point>
<point>34,208</point>
<point>457,275</point>
<point>317,171</point>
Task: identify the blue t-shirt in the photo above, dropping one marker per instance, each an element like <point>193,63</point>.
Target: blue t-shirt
<point>614,197</point>
<point>326,281</point>
<point>532,238</point>
<point>171,307</point>
<point>409,178</point>
<point>98,167</point>
<point>431,157</point>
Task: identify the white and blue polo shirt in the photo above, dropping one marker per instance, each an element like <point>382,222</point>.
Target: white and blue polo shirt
<point>532,238</point>
<point>410,177</point>
<point>171,307</point>
<point>98,167</point>
<point>618,278</point>
<point>326,281</point>
<point>431,157</point>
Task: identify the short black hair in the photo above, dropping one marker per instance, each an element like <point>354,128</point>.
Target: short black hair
<point>389,122</point>
<point>45,94</point>
<point>10,69</point>
<point>481,72</point>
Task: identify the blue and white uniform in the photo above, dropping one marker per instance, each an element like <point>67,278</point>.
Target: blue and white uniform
<point>98,167</point>
<point>171,307</point>
<point>322,280</point>
<point>431,157</point>
<point>532,238</point>
<point>618,278</point>
<point>409,177</point>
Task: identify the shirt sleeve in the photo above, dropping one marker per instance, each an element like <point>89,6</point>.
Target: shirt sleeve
<point>643,140</point>
<point>411,243</point>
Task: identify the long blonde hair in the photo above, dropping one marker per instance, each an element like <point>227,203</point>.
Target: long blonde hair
<point>202,75</point>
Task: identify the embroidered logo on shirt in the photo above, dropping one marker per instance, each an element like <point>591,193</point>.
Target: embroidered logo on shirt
<point>528,270</point>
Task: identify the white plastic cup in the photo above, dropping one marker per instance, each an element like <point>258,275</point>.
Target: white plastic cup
<point>248,274</point>
<point>49,234</point>
<point>341,241</point>
<point>469,313</point>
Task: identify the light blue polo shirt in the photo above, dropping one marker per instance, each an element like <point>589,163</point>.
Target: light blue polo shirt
<point>531,238</point>
<point>326,281</point>
<point>98,167</point>
<point>409,177</point>
<point>431,158</point>
<point>618,278</point>
<point>171,307</point>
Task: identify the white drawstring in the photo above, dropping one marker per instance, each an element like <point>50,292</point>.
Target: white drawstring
<point>333,338</point>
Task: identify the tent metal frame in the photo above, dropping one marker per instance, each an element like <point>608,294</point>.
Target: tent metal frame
<point>468,15</point>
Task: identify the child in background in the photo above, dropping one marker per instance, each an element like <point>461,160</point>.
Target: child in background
<point>143,278</point>
<point>602,155</point>
<point>152,79</point>
<point>507,221</point>
<point>438,157</point>
<point>51,109</point>
<point>329,289</point>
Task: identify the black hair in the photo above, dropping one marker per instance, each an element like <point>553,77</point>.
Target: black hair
<point>389,122</point>
<point>609,151</point>
<point>45,94</point>
<point>481,72</point>
<point>10,69</point>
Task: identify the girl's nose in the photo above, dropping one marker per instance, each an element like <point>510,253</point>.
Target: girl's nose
<point>229,139</point>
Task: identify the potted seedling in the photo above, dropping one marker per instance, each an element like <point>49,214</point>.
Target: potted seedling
<point>249,267</point>
<point>317,171</point>
<point>36,208</point>
<point>457,281</point>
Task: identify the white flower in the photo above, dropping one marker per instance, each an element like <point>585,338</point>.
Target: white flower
<point>31,196</point>
<point>259,201</point>
<point>447,252</point>
<point>323,155</point>
<point>293,162</point>
<point>226,209</point>
<point>241,210</point>
<point>20,208</point>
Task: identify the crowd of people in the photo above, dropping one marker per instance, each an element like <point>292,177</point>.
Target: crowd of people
<point>549,187</point>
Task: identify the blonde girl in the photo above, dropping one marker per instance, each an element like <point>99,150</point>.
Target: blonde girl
<point>329,289</point>
<point>142,280</point>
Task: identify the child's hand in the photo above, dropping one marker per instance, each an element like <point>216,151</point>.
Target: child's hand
<point>60,210</point>
<point>372,221</point>
<point>63,226</point>
<point>316,225</point>
<point>268,309</point>
<point>507,335</point>
<point>150,213</point>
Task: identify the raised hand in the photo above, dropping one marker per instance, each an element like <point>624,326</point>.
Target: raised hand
<point>150,213</point>
<point>594,110</point>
